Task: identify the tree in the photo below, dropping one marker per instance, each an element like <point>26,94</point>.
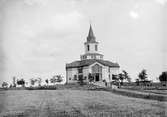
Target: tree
<point>126,76</point>
<point>39,81</point>
<point>10,86</point>
<point>14,81</point>
<point>129,79</point>
<point>53,80</point>
<point>137,82</point>
<point>56,78</point>
<point>4,84</point>
<point>47,81</point>
<point>59,78</point>
<point>121,78</point>
<point>21,82</point>
<point>142,75</point>
<point>32,81</point>
<point>163,77</point>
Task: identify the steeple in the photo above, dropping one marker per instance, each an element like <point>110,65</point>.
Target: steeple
<point>91,38</point>
<point>91,47</point>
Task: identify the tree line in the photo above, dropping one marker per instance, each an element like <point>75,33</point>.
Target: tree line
<point>121,77</point>
<point>21,82</point>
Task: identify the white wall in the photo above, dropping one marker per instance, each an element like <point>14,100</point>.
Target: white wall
<point>86,70</point>
<point>114,71</point>
<point>70,74</point>
<point>105,74</point>
<point>91,48</point>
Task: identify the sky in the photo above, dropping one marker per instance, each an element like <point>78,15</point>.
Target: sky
<point>38,37</point>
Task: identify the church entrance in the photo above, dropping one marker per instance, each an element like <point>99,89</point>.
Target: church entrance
<point>97,72</point>
<point>97,77</point>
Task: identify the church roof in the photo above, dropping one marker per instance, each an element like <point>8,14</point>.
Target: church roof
<point>91,38</point>
<point>82,63</point>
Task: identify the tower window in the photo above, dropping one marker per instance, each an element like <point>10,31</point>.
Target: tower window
<point>88,47</point>
<point>96,47</point>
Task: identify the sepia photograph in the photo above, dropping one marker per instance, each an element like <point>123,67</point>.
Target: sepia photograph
<point>83,58</point>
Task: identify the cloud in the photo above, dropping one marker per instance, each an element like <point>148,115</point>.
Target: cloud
<point>162,2</point>
<point>134,14</point>
<point>36,2</point>
<point>60,20</point>
<point>38,36</point>
<point>56,22</point>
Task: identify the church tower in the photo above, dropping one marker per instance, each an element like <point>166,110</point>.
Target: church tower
<point>91,47</point>
<point>91,63</point>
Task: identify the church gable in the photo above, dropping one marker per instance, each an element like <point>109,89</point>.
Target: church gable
<point>96,63</point>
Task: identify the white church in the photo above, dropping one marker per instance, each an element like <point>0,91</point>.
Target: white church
<point>91,62</point>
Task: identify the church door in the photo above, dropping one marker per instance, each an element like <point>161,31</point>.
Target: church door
<point>97,77</point>
<point>97,72</point>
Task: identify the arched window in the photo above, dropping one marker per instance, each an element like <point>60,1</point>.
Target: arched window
<point>88,47</point>
<point>96,69</point>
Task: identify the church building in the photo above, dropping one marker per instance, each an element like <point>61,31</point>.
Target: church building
<point>91,64</point>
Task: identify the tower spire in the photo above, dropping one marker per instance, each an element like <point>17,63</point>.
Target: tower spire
<point>91,37</point>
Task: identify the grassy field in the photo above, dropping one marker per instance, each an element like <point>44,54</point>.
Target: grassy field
<point>76,103</point>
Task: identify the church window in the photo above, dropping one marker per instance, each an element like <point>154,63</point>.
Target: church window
<point>85,78</point>
<point>96,69</point>
<point>75,77</point>
<point>79,70</point>
<point>96,47</point>
<point>88,47</point>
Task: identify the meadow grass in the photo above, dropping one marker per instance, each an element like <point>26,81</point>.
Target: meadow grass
<point>76,103</point>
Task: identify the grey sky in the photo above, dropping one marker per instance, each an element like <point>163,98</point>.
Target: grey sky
<point>39,36</point>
